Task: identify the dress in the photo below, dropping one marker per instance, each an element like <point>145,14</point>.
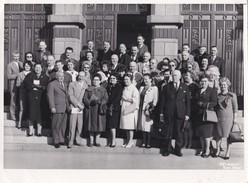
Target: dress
<point>208,98</point>
<point>95,110</point>
<point>149,97</point>
<point>23,92</point>
<point>227,105</point>
<point>114,107</point>
<point>129,121</point>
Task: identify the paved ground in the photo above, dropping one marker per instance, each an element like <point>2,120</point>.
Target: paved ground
<point>19,159</point>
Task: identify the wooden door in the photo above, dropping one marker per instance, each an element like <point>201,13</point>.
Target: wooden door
<point>24,27</point>
<point>220,25</point>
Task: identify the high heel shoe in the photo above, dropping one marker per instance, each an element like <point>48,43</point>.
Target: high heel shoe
<point>129,146</point>
<point>112,146</point>
<point>205,155</point>
<point>29,135</point>
<point>124,145</point>
<point>216,155</point>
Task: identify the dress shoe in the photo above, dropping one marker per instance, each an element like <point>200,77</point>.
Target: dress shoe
<point>39,135</point>
<point>148,146</point>
<point>178,153</point>
<point>62,143</point>
<point>30,135</point>
<point>165,154</point>
<point>97,145</point>
<point>143,145</point>
<point>226,158</point>
<point>57,146</point>
<point>69,146</point>
<point>216,155</point>
<point>79,144</point>
<point>90,145</point>
<point>205,155</point>
<point>112,145</point>
<point>199,153</point>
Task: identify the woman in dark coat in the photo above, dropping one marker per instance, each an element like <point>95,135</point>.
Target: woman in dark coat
<point>95,101</point>
<point>36,83</point>
<point>114,90</point>
<point>207,98</point>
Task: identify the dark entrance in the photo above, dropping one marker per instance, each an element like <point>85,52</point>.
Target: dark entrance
<point>129,26</point>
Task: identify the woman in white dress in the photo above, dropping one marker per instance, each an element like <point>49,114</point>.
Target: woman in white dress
<point>148,100</point>
<point>129,109</point>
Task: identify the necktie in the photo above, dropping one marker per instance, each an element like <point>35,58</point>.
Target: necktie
<point>62,84</point>
<point>176,86</point>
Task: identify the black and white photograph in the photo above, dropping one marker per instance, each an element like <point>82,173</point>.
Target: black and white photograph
<point>124,87</point>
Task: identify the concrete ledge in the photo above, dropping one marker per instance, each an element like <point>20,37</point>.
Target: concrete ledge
<point>64,19</point>
<point>165,19</point>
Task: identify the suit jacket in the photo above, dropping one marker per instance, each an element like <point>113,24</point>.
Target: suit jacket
<point>140,66</point>
<point>179,57</point>
<point>75,62</point>
<point>219,62</point>
<point>142,50</point>
<point>13,71</point>
<point>117,68</point>
<point>76,93</point>
<point>104,56</point>
<point>67,79</point>
<point>175,102</point>
<point>135,59</point>
<point>57,96</point>
<point>37,58</point>
<point>83,54</point>
<point>125,59</point>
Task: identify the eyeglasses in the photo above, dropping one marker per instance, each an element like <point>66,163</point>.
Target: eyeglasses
<point>86,67</point>
<point>29,57</point>
<point>112,78</point>
<point>172,65</point>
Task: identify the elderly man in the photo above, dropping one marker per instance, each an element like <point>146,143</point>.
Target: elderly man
<point>57,94</point>
<point>50,65</point>
<point>59,67</point>
<point>115,65</point>
<point>67,57</point>
<point>40,56</point>
<point>174,111</point>
<point>153,66</point>
<point>13,69</point>
<point>106,53</point>
<point>90,47</point>
<point>183,65</point>
<point>145,63</point>
<point>215,60</point>
<point>124,58</point>
<point>186,48</point>
<point>202,53</point>
<point>76,92</point>
<point>137,77</point>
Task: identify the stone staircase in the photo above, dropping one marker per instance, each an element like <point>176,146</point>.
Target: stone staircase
<point>16,139</point>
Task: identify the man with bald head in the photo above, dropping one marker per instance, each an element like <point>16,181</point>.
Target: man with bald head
<point>174,111</point>
<point>115,65</point>
<point>186,48</point>
<point>124,58</point>
<point>137,77</point>
<point>185,61</point>
<point>50,68</point>
<point>40,56</point>
<point>145,62</point>
<point>57,94</point>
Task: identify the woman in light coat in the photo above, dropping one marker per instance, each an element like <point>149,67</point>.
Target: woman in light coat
<point>129,109</point>
<point>148,100</point>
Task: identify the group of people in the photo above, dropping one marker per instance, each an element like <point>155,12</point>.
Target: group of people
<point>107,90</point>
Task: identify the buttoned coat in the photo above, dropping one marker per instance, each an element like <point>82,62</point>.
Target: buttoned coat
<point>58,96</point>
<point>218,62</point>
<point>76,93</point>
<point>125,59</point>
<point>67,77</point>
<point>39,60</point>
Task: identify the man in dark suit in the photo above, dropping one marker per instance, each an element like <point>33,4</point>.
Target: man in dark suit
<point>134,54</point>
<point>58,102</point>
<point>106,53</point>
<point>50,66</point>
<point>174,111</point>
<point>115,65</point>
<point>13,69</point>
<point>59,67</point>
<point>141,46</point>
<point>67,57</point>
<point>40,56</point>
<point>124,58</point>
<point>90,47</point>
<point>202,54</point>
<point>215,60</point>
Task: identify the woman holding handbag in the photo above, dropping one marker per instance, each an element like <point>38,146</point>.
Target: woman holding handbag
<point>129,109</point>
<point>207,100</point>
<point>227,109</point>
<point>148,101</point>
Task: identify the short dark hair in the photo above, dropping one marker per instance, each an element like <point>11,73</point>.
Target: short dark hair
<point>214,47</point>
<point>98,75</point>
<point>129,75</point>
<point>59,61</point>
<point>107,41</point>
<point>29,63</point>
<point>29,52</point>
<point>105,62</point>
<point>90,41</point>
<point>147,74</point>
<point>140,35</point>
<point>203,76</point>
<point>69,48</point>
<point>90,52</point>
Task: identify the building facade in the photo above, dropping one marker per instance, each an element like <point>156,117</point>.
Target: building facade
<point>165,28</point>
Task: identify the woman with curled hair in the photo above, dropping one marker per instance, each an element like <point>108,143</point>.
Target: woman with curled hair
<point>206,99</point>
<point>129,109</point>
<point>95,101</point>
<point>86,68</point>
<point>214,76</point>
<point>227,109</point>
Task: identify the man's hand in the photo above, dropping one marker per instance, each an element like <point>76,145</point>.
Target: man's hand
<point>161,118</point>
<point>53,110</point>
<point>186,118</point>
<point>80,106</point>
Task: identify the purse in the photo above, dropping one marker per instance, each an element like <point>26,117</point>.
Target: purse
<point>236,136</point>
<point>209,116</point>
<point>130,109</point>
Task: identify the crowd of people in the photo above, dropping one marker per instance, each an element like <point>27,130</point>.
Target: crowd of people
<point>124,90</point>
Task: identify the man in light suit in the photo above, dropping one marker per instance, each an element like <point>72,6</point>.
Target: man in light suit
<point>76,92</point>
<point>40,56</point>
<point>57,94</point>
<point>13,69</point>
<point>215,60</point>
<point>174,111</point>
<point>145,62</point>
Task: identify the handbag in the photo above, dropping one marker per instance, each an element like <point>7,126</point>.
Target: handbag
<point>130,109</point>
<point>236,136</point>
<point>209,116</point>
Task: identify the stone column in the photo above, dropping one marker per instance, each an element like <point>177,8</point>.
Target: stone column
<point>68,21</point>
<point>165,20</point>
